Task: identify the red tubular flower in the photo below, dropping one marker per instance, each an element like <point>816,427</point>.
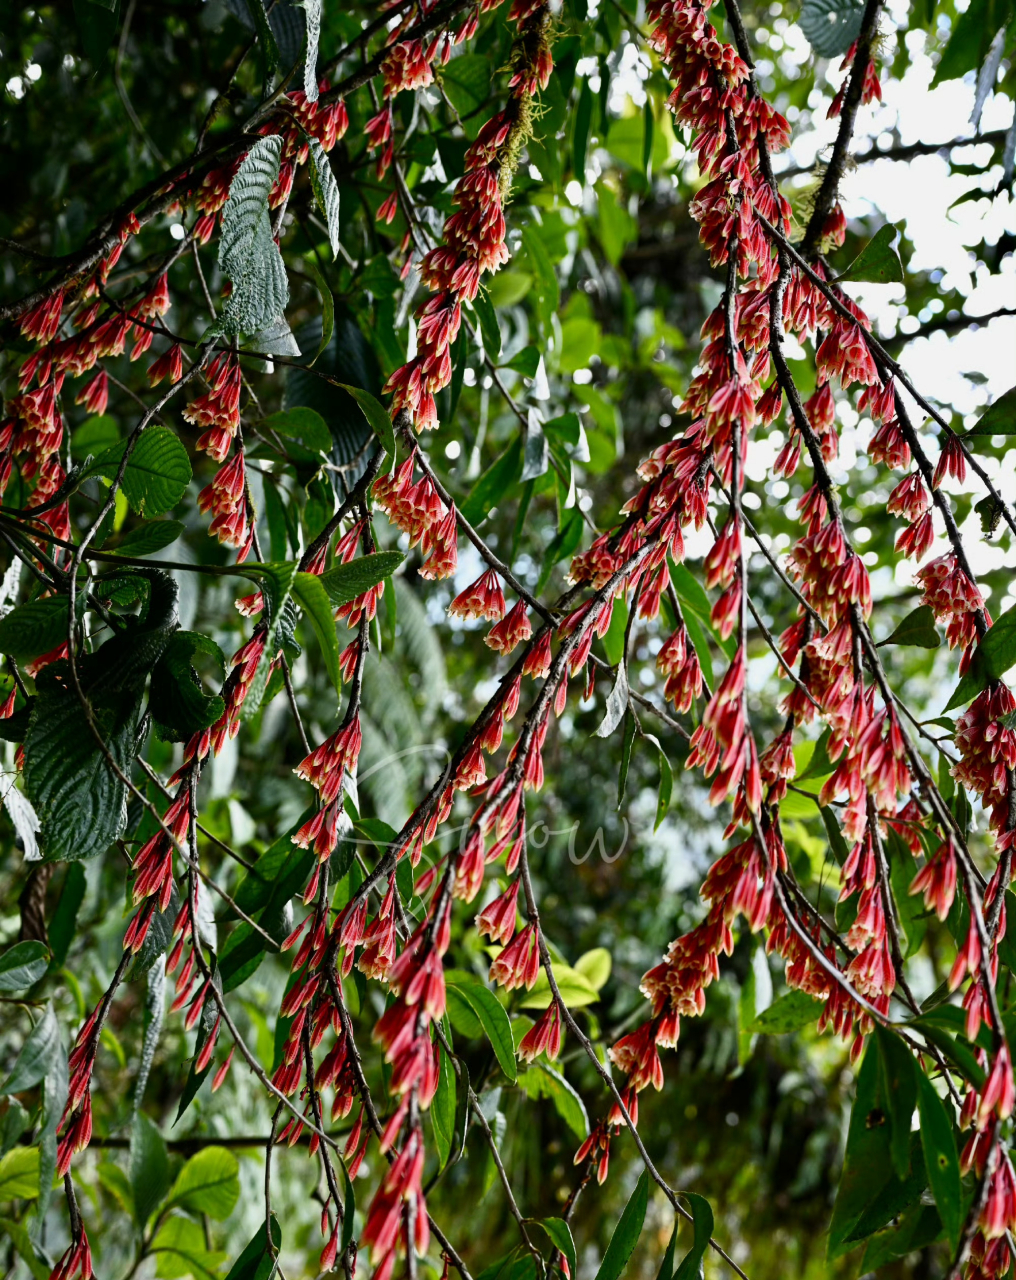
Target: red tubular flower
<point>519,963</point>
<point>95,395</point>
<point>637,1056</point>
<point>168,365</point>
<point>41,323</point>
<point>937,880</point>
<point>497,920</point>
<point>544,1036</point>
<point>513,628</point>
<point>323,768</point>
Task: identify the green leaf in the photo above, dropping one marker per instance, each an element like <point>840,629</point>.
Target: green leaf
<point>971,38</point>
<point>149,1167</point>
<point>647,136</point>
<point>347,581</point>
<point>867,1163</point>
<point>878,262</point>
<point>917,628</point>
<point>613,640</point>
<point>257,1262</point>
<point>490,330</point>
<point>626,1233</point>
<point>546,288</point>
<point>312,598</point>
<point>148,538</point>
<point>542,1081</point>
<point>575,988</point>
<point>19,1174</point>
<point>276,581</point>
<point>37,1056</point>
<point>790,1012</point>
<point>22,965</point>
<point>665,791</point>
<point>831,26</point>
<point>312,17</point>
<point>594,966</point>
<point>208,1183</point>
<point>266,37</point>
<point>248,254</point>
<point>97,24</point>
<point>61,927</point>
<point>526,362</point>
<point>442,1109</point>
<point>157,474</point>
<point>627,742</point>
<point>327,308</point>
<point>899,1088</point>
<point>179,1247</point>
<point>494,484</point>
<point>377,417</point>
<point>999,419</point>
<point>466,81</point>
<point>303,424</point>
<point>177,701</point>
<point>326,189</point>
<point>940,1159</point>
<point>580,140</point>
<point>992,658</point>
<point>561,1237</point>
<point>23,1246</point>
<point>693,1264</point>
<point>34,628</point>
<point>491,1016</point>
<point>617,228</point>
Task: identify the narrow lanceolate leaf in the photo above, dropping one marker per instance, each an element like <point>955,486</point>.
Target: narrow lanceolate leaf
<point>322,180</point>
<point>998,419</point>
<point>442,1110</point>
<point>917,628</point>
<point>376,415</point>
<point>248,254</point>
<point>627,1232</point>
<point>37,1056</point>
<point>878,262</point>
<point>312,12</point>
<point>257,1262</point>
<point>312,598</point>
<point>693,1265</point>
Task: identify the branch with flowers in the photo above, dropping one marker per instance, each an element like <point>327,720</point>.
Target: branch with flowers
<point>356,942</point>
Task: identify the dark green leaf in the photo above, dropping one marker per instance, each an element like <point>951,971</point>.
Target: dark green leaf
<point>327,309</point>
<point>899,1088</point>
<point>491,1016</point>
<point>149,1167</point>
<point>37,1056</point>
<point>257,1262</point>
<point>917,628</point>
<point>665,791</point>
<point>208,1183</point>
<point>494,484</point>
<point>62,926</point>
<point>542,1081</point>
<point>34,628</point>
<point>347,581</point>
<point>177,701</point>
<point>490,330</point>
<point>561,1237</point>
<point>526,362</point>
<point>999,419</point>
<point>626,746</point>
<point>626,1233</point>
<point>148,538</point>
<point>613,639</point>
<point>792,1011</point>
<point>466,81</point>
<point>831,26</point>
<point>312,598</point>
<point>867,1164</point>
<point>301,423</point>
<point>157,474</point>
<point>992,658</point>
<point>442,1109</point>
<point>580,138</point>
<point>940,1159</point>
<point>693,1264</point>
<point>878,262</point>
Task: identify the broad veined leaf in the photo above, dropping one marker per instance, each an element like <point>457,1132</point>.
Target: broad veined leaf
<point>276,339</point>
<point>157,474</point>
<point>322,180</point>
<point>917,628</point>
<point>150,537</point>
<point>312,16</point>
<point>466,81</point>
<point>37,627</point>
<point>19,1174</point>
<point>23,965</point>
<point>208,1183</point>
<point>594,966</point>
<point>878,262</point>
<point>179,1249</point>
<point>37,1056</point>
<point>626,1233</point>
<point>831,26</point>
<point>999,419</point>
<point>177,701</point>
<point>248,254</point>
<point>347,581</point>
<point>542,1081</point>
<point>790,1012</point>
<point>576,989</point>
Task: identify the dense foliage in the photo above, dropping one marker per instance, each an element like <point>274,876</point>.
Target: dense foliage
<point>490,625</point>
